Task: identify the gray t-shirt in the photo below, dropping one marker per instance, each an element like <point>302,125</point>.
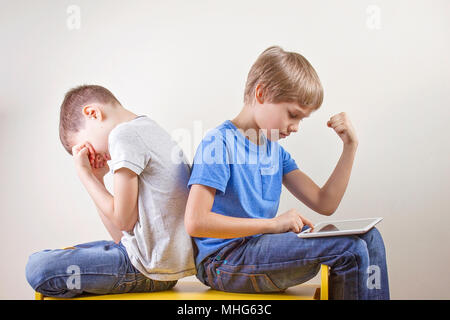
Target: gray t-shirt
<point>159,246</point>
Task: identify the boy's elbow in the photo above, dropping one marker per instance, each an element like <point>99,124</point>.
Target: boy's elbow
<point>124,224</point>
<point>192,226</point>
<point>327,211</point>
<point>190,229</point>
<point>326,205</point>
<point>127,227</point>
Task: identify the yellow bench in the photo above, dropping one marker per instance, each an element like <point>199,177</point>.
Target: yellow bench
<point>195,290</point>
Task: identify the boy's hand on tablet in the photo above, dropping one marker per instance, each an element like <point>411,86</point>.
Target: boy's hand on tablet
<point>290,220</point>
<point>344,128</point>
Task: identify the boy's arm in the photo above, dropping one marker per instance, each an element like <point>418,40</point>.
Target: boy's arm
<point>326,200</point>
<point>323,200</point>
<point>115,232</point>
<point>120,209</point>
<point>200,221</point>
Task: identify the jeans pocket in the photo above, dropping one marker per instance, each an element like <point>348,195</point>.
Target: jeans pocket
<point>245,282</point>
<point>271,183</point>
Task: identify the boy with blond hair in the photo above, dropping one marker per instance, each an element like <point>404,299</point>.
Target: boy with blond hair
<point>235,186</point>
<point>151,248</point>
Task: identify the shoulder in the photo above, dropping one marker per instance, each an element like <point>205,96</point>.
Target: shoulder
<point>125,135</point>
<point>132,128</point>
<point>122,132</point>
<point>219,134</point>
<point>280,147</point>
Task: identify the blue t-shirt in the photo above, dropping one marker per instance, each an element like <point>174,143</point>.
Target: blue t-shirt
<point>247,177</point>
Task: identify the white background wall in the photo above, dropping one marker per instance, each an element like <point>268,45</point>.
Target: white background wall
<point>186,61</point>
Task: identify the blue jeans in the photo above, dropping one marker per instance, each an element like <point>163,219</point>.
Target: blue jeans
<point>275,262</point>
<point>99,267</point>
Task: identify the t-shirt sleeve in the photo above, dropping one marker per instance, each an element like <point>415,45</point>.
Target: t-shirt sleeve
<point>211,166</point>
<point>127,150</point>
<point>289,163</point>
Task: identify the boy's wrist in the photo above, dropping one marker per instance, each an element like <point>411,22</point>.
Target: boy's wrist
<point>85,173</point>
<point>270,225</point>
<point>351,145</point>
<point>99,176</point>
<point>100,179</point>
<point>82,173</point>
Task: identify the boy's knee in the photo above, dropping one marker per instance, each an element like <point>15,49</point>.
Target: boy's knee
<point>353,248</point>
<point>359,247</point>
<point>353,255</point>
<point>37,268</point>
<point>374,236</point>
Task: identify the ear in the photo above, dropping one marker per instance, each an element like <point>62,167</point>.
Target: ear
<point>259,94</point>
<point>92,112</point>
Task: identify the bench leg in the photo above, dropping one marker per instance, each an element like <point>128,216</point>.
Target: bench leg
<point>324,275</point>
<point>38,296</point>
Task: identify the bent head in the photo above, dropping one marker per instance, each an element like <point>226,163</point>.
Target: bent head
<point>88,114</point>
<point>282,89</point>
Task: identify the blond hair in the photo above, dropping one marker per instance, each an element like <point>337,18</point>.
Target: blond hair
<point>284,77</point>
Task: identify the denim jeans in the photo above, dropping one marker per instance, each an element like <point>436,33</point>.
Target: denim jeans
<point>275,262</point>
<point>99,267</point>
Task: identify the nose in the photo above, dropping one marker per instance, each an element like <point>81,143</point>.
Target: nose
<point>293,128</point>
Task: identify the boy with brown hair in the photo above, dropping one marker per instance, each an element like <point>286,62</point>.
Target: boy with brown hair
<point>151,248</point>
<point>235,187</point>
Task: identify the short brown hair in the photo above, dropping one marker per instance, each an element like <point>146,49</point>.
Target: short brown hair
<point>284,77</point>
<point>71,119</point>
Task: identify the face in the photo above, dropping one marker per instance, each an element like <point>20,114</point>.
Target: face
<point>95,131</point>
<point>97,138</point>
<point>283,118</point>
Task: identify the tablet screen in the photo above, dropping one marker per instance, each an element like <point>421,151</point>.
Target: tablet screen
<point>343,225</point>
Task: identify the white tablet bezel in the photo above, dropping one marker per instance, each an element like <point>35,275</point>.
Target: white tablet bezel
<point>308,234</point>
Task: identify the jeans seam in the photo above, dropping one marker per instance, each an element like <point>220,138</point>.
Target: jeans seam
<point>228,269</point>
<point>254,283</point>
<point>272,263</point>
<point>252,277</point>
<point>68,275</point>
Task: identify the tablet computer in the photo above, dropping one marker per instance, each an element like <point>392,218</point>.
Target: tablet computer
<point>340,228</point>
